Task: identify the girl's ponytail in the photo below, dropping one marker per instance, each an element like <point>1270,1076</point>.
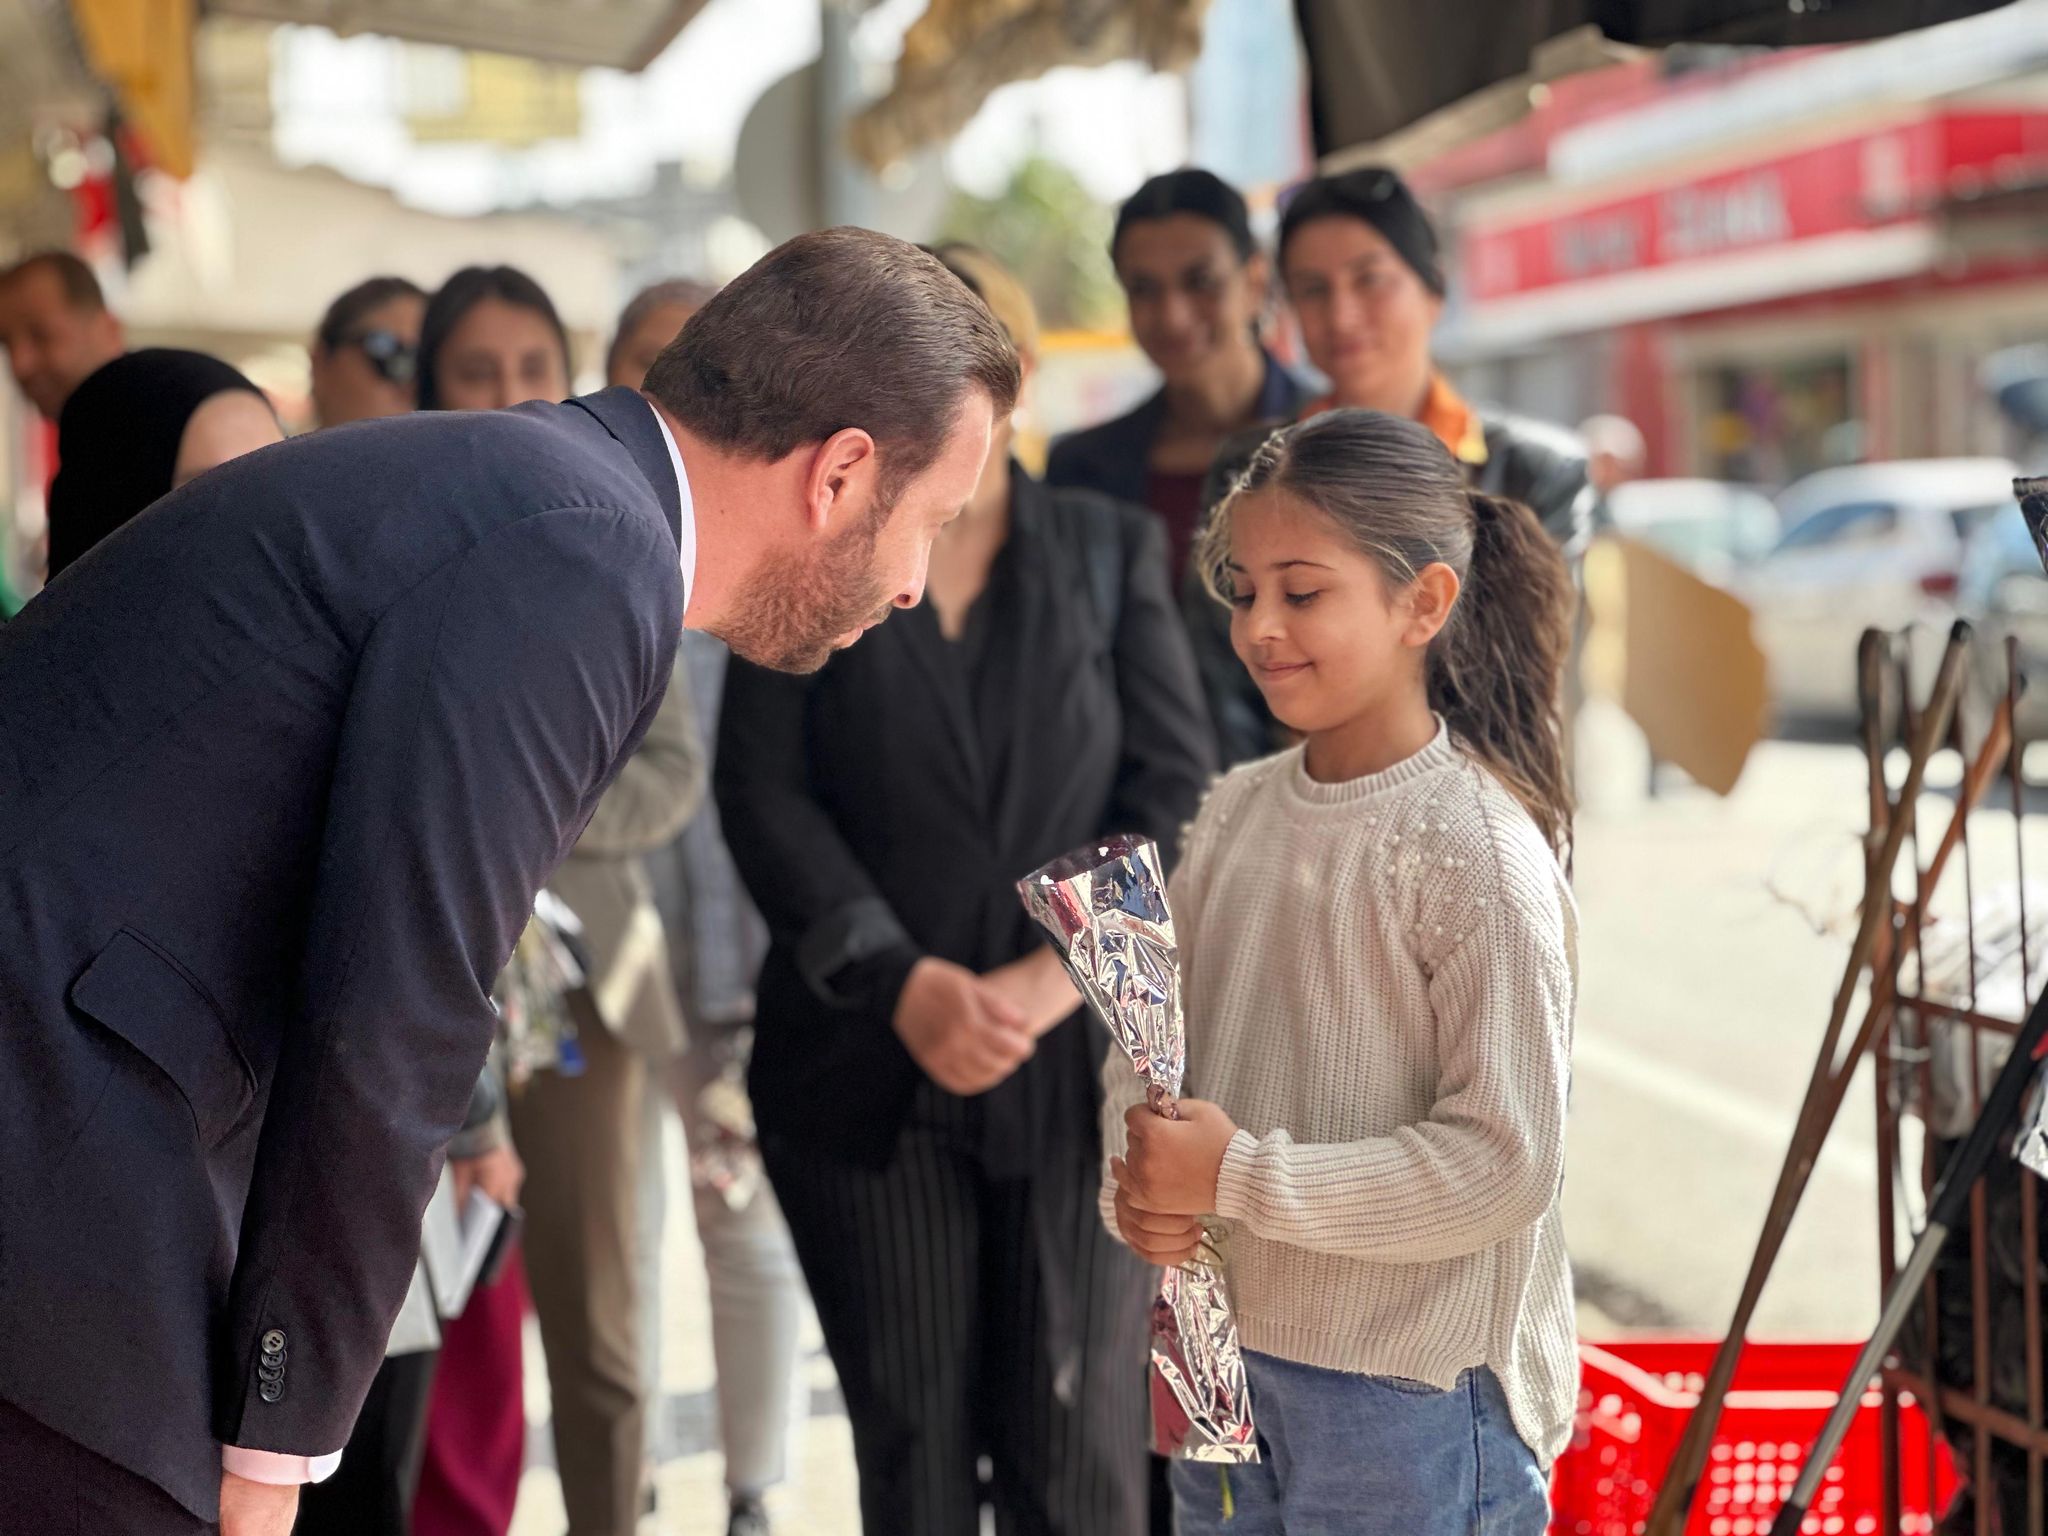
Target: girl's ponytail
<point>1496,673</point>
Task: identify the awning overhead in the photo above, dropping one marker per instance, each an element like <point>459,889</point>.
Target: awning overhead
<point>1393,79</point>
<point>143,50</point>
<point>618,34</point>
<point>959,51</point>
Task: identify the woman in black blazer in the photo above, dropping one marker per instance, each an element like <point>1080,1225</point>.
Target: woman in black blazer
<point>940,1186</point>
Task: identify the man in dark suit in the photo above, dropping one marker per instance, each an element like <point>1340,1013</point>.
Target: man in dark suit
<point>282,766</point>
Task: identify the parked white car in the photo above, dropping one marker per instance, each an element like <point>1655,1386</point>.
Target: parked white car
<point>1711,527</point>
<point>1867,544</point>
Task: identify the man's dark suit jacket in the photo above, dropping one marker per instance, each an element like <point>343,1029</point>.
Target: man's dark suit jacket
<point>282,766</point>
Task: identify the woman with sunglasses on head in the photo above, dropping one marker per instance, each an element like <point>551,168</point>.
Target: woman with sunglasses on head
<point>1360,266</point>
<point>365,351</point>
<point>1197,284</point>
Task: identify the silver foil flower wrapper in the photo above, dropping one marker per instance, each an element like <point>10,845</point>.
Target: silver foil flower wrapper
<point>1105,907</point>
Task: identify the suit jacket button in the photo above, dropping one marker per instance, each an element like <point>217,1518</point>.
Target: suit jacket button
<point>270,1372</point>
<point>270,1391</point>
<point>273,1342</point>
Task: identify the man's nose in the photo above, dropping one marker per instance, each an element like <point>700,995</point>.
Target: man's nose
<point>1176,313</point>
<point>913,594</point>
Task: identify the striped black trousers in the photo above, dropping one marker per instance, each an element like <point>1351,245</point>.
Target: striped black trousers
<point>928,1278</point>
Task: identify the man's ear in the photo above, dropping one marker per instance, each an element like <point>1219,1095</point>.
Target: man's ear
<point>841,479</point>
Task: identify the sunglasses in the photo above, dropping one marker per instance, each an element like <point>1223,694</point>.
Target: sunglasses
<point>395,359</point>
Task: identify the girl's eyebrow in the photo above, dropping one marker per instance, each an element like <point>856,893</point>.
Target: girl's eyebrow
<point>1283,565</point>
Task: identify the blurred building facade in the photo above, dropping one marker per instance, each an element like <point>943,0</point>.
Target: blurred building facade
<point>1769,263</point>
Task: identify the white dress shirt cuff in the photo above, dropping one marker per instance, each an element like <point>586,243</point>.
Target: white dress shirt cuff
<point>277,1467</point>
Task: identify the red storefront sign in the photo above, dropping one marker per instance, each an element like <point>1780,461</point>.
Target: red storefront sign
<point>1861,182</point>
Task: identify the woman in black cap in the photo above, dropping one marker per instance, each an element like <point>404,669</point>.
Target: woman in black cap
<point>1360,264</point>
<point>1197,285</point>
<point>139,428</point>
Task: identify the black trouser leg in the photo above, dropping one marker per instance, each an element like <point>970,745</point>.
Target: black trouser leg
<point>890,1257</point>
<point>1069,1456</point>
<point>371,1491</point>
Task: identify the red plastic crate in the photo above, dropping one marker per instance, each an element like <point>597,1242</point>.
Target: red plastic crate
<point>1635,1397</point>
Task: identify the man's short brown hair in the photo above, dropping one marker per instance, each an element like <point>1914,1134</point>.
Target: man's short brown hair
<point>836,329</point>
<point>81,287</point>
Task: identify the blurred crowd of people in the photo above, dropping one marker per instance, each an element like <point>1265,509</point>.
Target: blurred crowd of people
<point>792,921</point>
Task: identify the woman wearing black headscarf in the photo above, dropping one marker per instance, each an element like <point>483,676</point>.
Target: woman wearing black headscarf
<point>141,427</point>
<point>136,431</point>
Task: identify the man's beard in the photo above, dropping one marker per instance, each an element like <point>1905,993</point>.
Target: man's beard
<point>795,609</point>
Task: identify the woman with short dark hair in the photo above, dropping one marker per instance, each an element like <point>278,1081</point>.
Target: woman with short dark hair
<point>1197,284</point>
<point>491,338</point>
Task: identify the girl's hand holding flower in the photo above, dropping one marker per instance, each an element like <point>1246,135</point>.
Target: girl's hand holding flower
<point>1167,1241</point>
<point>1171,1165</point>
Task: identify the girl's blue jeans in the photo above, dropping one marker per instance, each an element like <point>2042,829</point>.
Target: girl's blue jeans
<point>1349,1455</point>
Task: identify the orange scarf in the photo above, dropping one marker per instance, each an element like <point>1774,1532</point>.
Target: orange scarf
<point>1444,411</point>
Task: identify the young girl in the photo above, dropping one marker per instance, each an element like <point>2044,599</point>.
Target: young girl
<point>1379,949</point>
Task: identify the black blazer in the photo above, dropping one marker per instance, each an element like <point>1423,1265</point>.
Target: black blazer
<point>871,831</point>
<point>282,765</point>
<point>1115,457</point>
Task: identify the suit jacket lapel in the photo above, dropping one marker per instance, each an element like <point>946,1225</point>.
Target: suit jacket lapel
<point>629,419</point>
<point>1034,618</point>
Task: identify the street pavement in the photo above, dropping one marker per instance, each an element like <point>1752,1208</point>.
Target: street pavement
<point>1713,937</point>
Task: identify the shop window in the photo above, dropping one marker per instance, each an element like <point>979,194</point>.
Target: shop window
<point>1769,423</point>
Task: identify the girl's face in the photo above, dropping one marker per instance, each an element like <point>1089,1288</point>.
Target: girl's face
<point>1365,316</point>
<point>1316,622</point>
<point>501,354</point>
<point>1193,299</point>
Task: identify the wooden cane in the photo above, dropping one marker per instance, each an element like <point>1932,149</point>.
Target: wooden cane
<point>1816,1113</point>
